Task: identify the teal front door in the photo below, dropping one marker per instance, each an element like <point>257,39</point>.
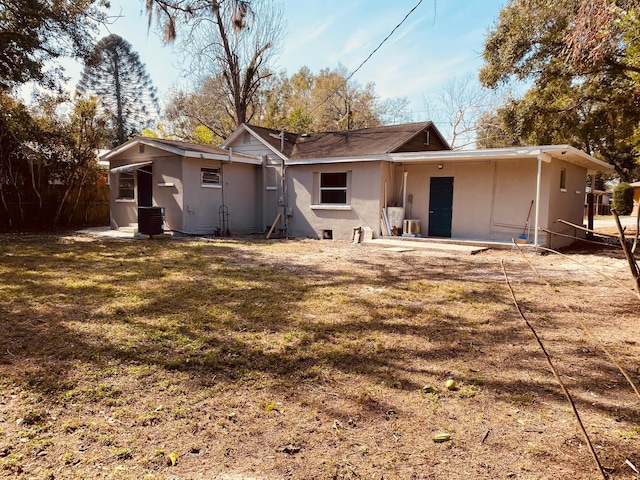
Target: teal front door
<point>440,206</point>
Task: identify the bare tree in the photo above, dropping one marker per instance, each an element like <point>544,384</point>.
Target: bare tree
<point>228,55</point>
<point>461,104</point>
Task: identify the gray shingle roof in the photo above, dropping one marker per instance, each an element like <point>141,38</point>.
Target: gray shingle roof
<point>347,143</point>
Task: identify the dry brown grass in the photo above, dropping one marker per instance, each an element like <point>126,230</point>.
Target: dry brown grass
<point>269,360</point>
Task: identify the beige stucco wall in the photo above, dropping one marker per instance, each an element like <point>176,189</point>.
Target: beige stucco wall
<point>566,204</point>
<point>194,209</point>
<point>271,189</point>
<point>309,219</point>
<point>125,213</point>
<point>201,214</point>
<point>491,200</point>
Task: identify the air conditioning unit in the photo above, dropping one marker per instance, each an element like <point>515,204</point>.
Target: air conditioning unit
<point>411,228</point>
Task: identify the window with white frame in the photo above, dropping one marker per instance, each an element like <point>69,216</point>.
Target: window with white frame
<point>126,185</point>
<point>333,188</point>
<point>210,177</point>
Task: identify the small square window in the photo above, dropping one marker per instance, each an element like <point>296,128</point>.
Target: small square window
<point>126,185</point>
<point>333,188</point>
<point>210,177</point>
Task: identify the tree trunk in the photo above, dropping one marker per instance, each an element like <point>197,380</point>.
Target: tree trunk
<point>4,204</point>
<point>75,205</point>
<point>35,189</point>
<point>14,182</point>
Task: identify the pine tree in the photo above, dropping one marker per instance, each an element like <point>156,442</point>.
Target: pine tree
<point>116,76</point>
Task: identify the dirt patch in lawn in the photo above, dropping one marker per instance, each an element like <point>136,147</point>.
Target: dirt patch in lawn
<point>248,359</point>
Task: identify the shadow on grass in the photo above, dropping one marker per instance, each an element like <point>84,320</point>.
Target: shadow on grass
<point>236,311</point>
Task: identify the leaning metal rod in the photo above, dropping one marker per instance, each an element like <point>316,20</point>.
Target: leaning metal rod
<point>573,237</point>
<point>608,277</point>
<point>586,328</point>
<point>555,374</point>
<point>633,266</point>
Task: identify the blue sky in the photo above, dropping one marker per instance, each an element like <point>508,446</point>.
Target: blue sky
<point>441,40</point>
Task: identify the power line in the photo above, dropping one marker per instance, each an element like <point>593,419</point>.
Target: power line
<point>368,58</point>
<point>383,41</point>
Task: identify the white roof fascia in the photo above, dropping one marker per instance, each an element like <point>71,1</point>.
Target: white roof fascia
<point>480,154</point>
<point>596,165</point>
<point>126,146</point>
<point>315,161</point>
<point>235,134</point>
<point>225,158</point>
<point>182,152</point>
<point>555,151</point>
<point>112,153</point>
<point>245,128</point>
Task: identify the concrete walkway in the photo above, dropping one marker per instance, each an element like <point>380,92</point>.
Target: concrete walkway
<point>407,244</point>
<point>106,233</point>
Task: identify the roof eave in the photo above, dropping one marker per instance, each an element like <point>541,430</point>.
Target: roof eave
<point>578,157</point>
<point>329,160</point>
<point>181,152</point>
<point>573,155</point>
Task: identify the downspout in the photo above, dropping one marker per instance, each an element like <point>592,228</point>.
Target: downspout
<point>264,193</point>
<point>538,184</point>
<point>404,189</point>
<point>285,194</point>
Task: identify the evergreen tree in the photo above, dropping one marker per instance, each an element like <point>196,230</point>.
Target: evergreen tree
<point>116,76</point>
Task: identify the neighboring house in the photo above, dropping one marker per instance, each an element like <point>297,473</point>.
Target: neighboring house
<point>325,185</point>
<point>601,202</point>
<point>636,197</point>
<point>190,182</point>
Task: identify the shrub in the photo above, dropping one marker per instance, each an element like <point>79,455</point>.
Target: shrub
<point>623,198</point>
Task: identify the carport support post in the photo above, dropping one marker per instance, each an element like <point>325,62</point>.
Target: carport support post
<point>538,183</point>
<point>590,213</point>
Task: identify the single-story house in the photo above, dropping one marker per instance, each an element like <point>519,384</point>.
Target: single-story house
<point>201,188</point>
<point>330,183</point>
<point>326,185</point>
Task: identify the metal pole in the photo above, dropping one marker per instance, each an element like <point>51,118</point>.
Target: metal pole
<point>538,183</point>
